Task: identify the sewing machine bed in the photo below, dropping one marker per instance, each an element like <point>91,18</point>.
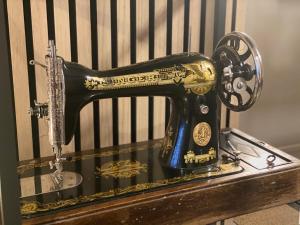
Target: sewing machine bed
<point>127,185</point>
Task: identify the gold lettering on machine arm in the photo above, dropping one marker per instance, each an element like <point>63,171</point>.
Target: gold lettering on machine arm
<point>198,78</point>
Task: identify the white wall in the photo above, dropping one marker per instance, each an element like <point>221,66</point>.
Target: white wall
<point>275,118</point>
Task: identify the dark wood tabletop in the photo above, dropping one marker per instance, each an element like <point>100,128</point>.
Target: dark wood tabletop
<point>206,200</point>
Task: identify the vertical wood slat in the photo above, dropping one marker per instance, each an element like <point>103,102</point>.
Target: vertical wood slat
<point>104,40</point>
<point>31,75</point>
<point>95,66</point>
<point>194,24</point>
<point>228,18</point>
<point>241,7</point>
<point>142,103</point>
<point>123,36</point>
<point>84,58</point>
<point>74,58</point>
<point>142,52</point>
<point>175,34</point>
<point>209,28</point>
<point>62,41</point>
<point>177,26</point>
<point>20,77</point>
<point>104,62</point>
<point>40,43</point>
<point>160,40</point>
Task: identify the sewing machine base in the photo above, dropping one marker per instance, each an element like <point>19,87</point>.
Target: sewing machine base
<point>106,175</point>
<point>113,173</point>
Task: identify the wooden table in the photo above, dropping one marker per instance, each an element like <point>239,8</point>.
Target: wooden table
<point>204,200</point>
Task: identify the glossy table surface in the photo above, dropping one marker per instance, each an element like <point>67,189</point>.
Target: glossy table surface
<point>127,185</point>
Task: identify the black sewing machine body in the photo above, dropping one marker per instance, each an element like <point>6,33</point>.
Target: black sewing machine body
<point>187,79</point>
<point>193,83</point>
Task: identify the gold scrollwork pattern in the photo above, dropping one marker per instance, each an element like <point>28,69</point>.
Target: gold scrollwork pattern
<point>198,78</point>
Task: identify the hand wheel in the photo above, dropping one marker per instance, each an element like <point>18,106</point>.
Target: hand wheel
<point>239,69</point>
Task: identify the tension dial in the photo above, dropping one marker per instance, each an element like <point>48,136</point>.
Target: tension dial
<point>239,69</point>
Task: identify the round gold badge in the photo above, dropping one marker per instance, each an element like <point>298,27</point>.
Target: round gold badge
<point>202,134</point>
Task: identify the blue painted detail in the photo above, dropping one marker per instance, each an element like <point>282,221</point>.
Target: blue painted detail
<point>177,152</point>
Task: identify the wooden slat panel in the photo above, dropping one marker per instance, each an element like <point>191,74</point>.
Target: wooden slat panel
<point>84,58</point>
<point>40,38</point>
<point>20,77</point>
<point>177,26</point>
<point>159,51</point>
<point>40,43</point>
<point>240,15</point>
<point>228,19</point>
<point>142,51</point>
<point>209,28</point>
<point>123,21</point>
<point>62,40</point>
<point>195,16</point>
<point>104,40</point>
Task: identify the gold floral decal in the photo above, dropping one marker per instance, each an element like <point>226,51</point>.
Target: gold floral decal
<point>121,169</point>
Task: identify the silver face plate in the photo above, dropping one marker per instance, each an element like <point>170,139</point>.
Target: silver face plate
<point>42,184</point>
<point>253,152</point>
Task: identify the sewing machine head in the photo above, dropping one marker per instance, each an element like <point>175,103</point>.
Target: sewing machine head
<point>191,81</point>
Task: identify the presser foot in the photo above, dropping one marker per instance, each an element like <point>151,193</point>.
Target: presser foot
<point>63,179</point>
<point>57,176</point>
<point>57,179</point>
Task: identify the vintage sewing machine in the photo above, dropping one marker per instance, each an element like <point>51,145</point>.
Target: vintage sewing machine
<point>191,81</point>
